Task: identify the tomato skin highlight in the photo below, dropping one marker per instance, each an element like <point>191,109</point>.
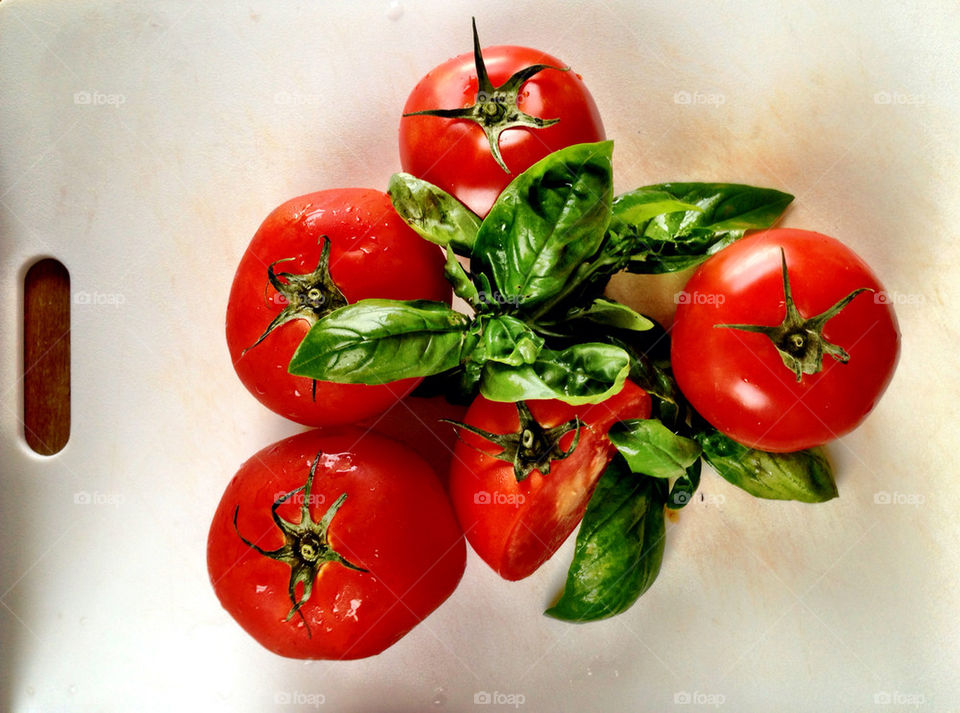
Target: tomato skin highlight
<point>373,253</point>
<point>517,526</point>
<point>737,380</point>
<point>455,153</point>
<point>395,522</point>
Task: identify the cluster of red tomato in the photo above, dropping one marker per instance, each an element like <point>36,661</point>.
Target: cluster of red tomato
<point>335,542</point>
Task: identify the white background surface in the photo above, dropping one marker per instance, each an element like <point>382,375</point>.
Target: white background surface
<point>228,109</point>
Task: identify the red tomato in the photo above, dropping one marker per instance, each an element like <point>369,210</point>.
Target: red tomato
<point>455,153</point>
<point>363,544</point>
<point>835,357</point>
<point>417,422</point>
<point>515,526</point>
<point>372,253</point>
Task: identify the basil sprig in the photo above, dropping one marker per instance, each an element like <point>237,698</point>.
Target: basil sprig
<point>528,249</point>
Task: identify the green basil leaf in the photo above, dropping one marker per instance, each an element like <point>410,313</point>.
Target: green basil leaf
<point>803,475</point>
<point>462,284</point>
<point>722,207</point>
<point>508,340</point>
<point>676,240</point>
<point>652,449</point>
<point>433,213</point>
<point>581,374</point>
<point>614,314</point>
<point>546,223</point>
<point>619,547</point>
<point>641,205</point>
<point>683,488</point>
<point>376,341</point>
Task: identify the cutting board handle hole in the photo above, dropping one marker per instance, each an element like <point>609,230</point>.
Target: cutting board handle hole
<point>46,356</point>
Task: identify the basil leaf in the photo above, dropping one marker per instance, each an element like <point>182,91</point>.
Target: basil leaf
<point>722,207</point>
<point>546,223</point>
<point>682,490</point>
<point>462,284</point>
<point>508,340</point>
<point>642,205</point>
<point>614,314</point>
<point>675,240</point>
<point>581,374</point>
<point>803,475</point>
<point>619,547</point>
<point>433,213</point>
<point>375,341</point>
<point>652,449</point>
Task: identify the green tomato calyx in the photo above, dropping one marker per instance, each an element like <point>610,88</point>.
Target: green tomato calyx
<point>495,108</point>
<point>800,340</point>
<point>306,547</point>
<point>531,447</point>
<point>309,296</point>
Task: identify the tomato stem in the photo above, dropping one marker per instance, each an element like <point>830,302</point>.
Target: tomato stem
<point>800,340</point>
<point>309,296</point>
<point>531,447</point>
<point>306,545</point>
<point>495,109</point>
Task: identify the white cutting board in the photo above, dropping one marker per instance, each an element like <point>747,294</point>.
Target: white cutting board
<point>202,117</point>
